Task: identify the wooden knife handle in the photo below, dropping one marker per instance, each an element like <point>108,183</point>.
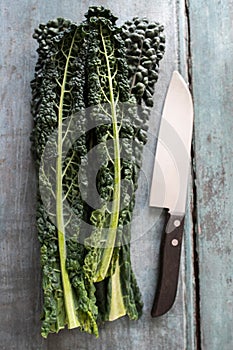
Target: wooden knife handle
<point>170,263</point>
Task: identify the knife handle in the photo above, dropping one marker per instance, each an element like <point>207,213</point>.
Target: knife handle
<point>170,263</point>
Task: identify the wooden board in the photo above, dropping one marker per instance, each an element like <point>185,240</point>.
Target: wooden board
<point>212,72</point>
<point>20,294</point>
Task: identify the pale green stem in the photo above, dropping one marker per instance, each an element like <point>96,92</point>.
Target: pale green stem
<point>108,251</point>
<point>117,308</point>
<point>67,288</point>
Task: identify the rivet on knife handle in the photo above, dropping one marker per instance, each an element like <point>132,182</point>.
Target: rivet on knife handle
<point>170,263</point>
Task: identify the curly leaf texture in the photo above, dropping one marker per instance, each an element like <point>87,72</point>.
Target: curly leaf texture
<point>102,75</point>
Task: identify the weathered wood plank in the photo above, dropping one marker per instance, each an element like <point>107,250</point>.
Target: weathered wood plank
<point>19,258</point>
<point>212,52</point>
<point>189,275</point>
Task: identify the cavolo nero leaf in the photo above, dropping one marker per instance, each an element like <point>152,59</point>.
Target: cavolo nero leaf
<point>108,77</point>
<point>58,90</point>
<point>112,72</point>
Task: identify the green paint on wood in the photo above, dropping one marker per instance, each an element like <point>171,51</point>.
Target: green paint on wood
<point>212,68</point>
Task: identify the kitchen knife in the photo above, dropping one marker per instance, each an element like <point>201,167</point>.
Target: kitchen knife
<point>169,185</point>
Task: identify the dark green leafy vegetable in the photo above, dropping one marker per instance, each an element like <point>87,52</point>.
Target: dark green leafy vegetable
<point>145,43</point>
<point>58,90</point>
<point>108,73</point>
<point>94,74</point>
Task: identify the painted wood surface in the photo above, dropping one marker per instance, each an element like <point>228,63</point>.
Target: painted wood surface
<point>212,72</point>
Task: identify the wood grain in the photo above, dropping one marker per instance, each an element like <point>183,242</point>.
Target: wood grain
<point>19,250</point>
<point>212,72</point>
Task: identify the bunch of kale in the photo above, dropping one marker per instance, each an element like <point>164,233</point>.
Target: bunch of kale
<point>92,90</point>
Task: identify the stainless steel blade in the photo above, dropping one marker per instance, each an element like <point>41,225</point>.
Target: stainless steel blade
<point>172,161</point>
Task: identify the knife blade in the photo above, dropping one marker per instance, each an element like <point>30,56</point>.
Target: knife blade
<point>169,185</point>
